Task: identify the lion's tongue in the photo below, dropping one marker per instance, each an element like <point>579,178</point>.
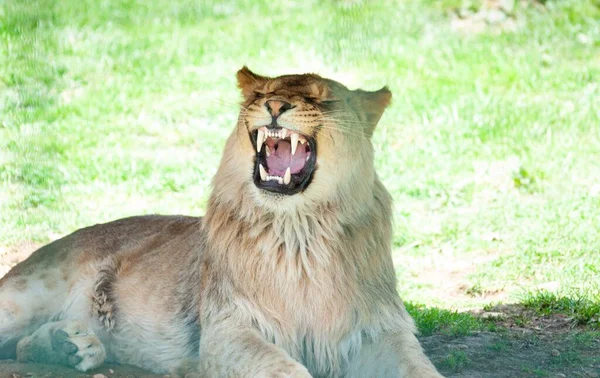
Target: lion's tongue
<point>282,158</point>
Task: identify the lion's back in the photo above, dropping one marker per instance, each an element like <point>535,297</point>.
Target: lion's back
<point>133,237</point>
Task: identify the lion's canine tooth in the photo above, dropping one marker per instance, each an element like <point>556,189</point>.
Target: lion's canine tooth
<point>260,139</point>
<point>263,172</point>
<point>287,177</point>
<point>294,139</point>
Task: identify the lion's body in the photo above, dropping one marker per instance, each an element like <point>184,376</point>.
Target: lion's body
<point>125,279</point>
<point>260,287</point>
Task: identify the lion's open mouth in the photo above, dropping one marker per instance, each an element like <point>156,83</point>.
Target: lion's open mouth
<point>285,160</point>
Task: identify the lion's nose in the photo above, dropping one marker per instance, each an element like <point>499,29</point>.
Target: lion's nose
<point>277,107</point>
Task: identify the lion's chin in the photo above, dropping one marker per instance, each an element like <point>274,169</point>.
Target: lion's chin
<point>285,160</point>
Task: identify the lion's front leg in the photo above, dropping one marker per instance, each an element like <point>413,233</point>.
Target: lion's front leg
<point>412,361</point>
<point>393,355</point>
<point>230,350</point>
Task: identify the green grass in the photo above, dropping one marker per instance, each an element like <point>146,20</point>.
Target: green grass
<point>456,361</point>
<point>586,339</point>
<point>452,323</point>
<point>490,148</point>
<point>583,309</point>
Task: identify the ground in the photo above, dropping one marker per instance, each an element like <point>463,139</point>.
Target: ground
<point>490,148</point>
<point>481,355</point>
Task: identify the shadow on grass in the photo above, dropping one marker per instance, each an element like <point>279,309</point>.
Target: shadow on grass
<point>546,335</point>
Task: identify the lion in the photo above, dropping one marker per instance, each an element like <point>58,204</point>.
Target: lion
<point>289,273</point>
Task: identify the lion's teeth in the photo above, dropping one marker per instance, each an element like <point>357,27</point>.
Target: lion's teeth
<point>263,172</point>
<point>260,139</point>
<point>275,178</point>
<point>287,177</point>
<point>263,133</point>
<point>294,140</point>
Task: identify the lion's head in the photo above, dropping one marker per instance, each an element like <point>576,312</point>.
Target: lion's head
<point>301,138</point>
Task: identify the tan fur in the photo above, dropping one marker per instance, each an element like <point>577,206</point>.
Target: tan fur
<point>264,285</point>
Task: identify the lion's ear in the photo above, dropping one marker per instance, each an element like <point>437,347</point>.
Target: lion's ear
<point>248,81</point>
<point>373,104</point>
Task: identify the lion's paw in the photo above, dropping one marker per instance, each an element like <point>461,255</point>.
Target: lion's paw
<point>78,345</point>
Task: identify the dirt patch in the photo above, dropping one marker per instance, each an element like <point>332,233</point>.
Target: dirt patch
<point>445,275</point>
<point>514,354</point>
<point>518,318</point>
<point>494,16</point>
